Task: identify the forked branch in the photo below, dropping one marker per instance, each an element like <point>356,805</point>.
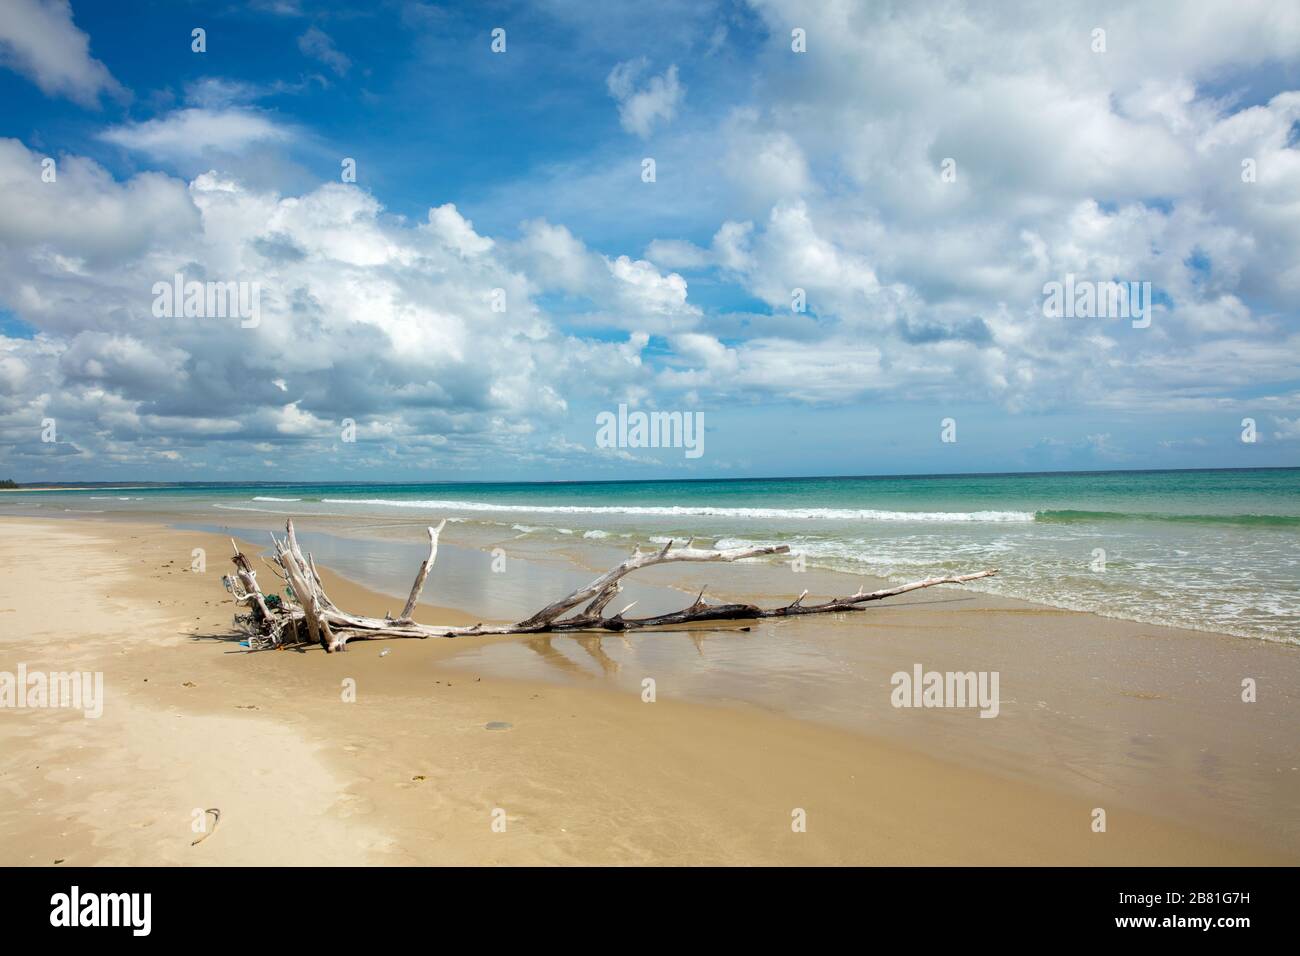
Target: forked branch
<point>309,615</point>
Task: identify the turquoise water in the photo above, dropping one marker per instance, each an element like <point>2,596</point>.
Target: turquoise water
<point>1212,550</point>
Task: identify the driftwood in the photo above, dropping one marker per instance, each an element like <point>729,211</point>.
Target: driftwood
<point>308,615</point>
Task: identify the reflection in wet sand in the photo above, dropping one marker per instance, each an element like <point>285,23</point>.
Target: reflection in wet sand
<point>591,643</point>
<point>542,646</point>
<point>594,645</point>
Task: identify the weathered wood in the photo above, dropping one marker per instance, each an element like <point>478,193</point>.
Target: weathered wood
<point>331,627</point>
<point>854,602</point>
<point>423,574</point>
<point>248,577</point>
<point>596,589</point>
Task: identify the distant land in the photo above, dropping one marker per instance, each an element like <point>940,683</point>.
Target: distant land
<point>8,484</point>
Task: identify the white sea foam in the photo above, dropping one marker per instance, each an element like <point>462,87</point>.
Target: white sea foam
<point>279,513</point>
<point>826,514</point>
<point>269,498</point>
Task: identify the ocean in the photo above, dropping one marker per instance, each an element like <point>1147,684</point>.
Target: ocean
<point>1215,550</point>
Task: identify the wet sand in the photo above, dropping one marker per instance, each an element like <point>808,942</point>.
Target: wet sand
<point>1121,716</point>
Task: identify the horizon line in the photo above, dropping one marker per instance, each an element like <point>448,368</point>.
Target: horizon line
<point>145,485</point>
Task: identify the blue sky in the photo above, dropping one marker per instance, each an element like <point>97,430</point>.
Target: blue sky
<point>521,171</point>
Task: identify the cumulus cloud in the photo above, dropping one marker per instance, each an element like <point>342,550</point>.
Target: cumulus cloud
<point>822,172</point>
<point>39,40</point>
<point>83,220</point>
<point>641,107</point>
<point>362,317</point>
<point>1123,165</point>
<point>627,293</point>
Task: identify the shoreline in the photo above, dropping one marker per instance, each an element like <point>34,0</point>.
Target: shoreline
<point>883,798</point>
<point>575,551</point>
<point>1201,575</point>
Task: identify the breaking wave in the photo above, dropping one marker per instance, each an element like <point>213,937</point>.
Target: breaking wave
<point>829,514</point>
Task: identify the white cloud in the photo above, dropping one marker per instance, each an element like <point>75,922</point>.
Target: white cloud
<point>318,45</point>
<point>768,165</point>
<point>557,257</point>
<point>456,231</point>
<point>641,107</point>
<point>196,131</point>
<point>819,172</point>
<point>629,293</point>
<point>1288,429</point>
<point>1114,166</point>
<point>362,317</point>
<point>86,215</point>
<point>39,40</point>
<point>678,254</point>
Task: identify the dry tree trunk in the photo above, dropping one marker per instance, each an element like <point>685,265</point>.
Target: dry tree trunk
<point>309,610</point>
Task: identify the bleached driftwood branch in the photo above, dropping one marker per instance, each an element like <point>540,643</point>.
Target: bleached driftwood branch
<point>309,616</point>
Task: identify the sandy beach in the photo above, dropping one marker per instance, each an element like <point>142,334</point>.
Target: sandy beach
<point>447,736</point>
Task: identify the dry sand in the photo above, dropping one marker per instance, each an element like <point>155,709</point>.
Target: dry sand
<point>410,774</point>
